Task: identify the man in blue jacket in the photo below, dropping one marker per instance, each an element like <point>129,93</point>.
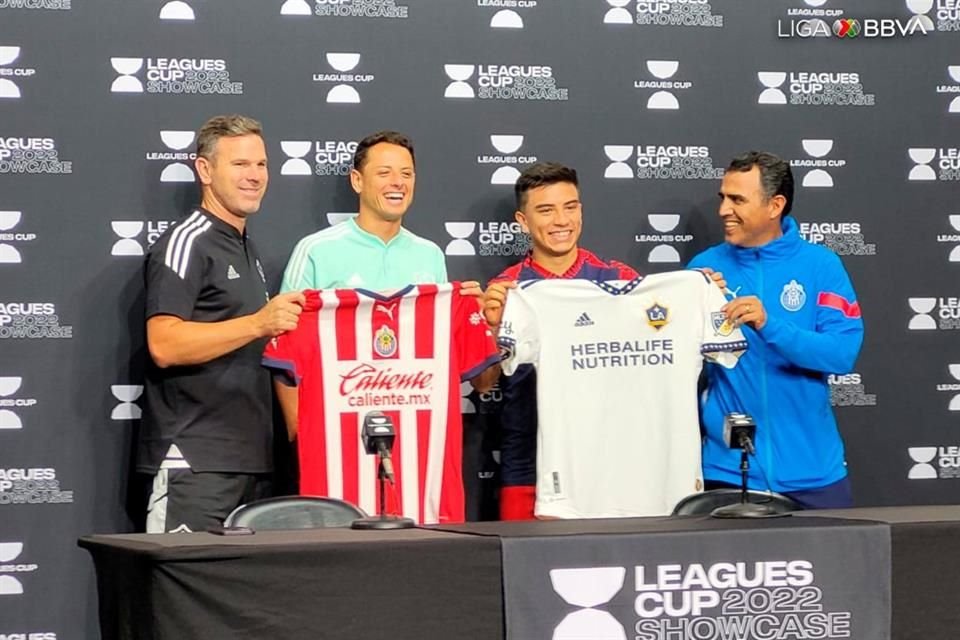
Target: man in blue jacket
<point>802,321</point>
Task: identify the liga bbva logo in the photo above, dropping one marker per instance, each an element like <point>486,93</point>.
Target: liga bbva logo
<point>507,147</point>
<point>10,566</point>
<point>9,252</point>
<point>10,75</point>
<point>345,83</point>
<point>661,13</point>
<point>11,402</point>
<point>821,167</point>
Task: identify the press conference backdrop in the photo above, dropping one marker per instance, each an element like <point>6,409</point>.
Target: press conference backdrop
<point>99,101</point>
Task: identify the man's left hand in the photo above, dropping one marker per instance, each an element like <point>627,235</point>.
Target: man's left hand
<point>746,310</point>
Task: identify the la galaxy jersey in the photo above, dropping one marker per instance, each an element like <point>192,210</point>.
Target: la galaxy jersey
<point>617,365</point>
<point>356,351</point>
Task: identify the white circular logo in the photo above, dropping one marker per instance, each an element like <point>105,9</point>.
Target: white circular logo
<point>793,297</point>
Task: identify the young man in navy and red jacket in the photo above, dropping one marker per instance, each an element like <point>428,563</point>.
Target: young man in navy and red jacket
<point>549,209</point>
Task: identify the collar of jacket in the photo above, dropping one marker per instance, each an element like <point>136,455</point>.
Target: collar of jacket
<point>783,248</point>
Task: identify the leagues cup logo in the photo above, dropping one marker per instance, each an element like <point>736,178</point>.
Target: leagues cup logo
<point>126,82</point>
<point>922,319</point>
<point>922,457</point>
<point>126,395</point>
<point>793,297</point>
<point>9,585</point>
<point>617,14</point>
<point>9,385</point>
<point>8,88</point>
<point>922,157</point>
<point>506,19</point>
<point>772,93</point>
<point>460,232</point>
<point>385,342</point>
<point>588,589</point>
<point>295,164</point>
<point>458,75</point>
<point>177,10</point>
<point>8,253</point>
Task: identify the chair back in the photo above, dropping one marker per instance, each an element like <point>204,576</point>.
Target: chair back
<point>294,512</point>
<point>706,502</point>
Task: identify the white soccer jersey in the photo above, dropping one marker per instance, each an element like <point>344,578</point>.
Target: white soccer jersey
<point>617,367</point>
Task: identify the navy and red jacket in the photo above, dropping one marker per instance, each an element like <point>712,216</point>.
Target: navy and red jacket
<point>518,444</point>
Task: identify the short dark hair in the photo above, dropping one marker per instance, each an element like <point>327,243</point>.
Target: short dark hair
<point>390,137</point>
<point>776,178</point>
<point>542,174</point>
<point>225,126</point>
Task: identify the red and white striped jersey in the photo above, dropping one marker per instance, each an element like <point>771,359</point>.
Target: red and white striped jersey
<point>355,351</point>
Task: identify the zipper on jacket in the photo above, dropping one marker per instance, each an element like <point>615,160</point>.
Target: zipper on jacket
<point>767,471</point>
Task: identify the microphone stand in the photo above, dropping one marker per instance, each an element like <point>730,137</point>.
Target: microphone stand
<point>382,521</point>
<point>746,509</point>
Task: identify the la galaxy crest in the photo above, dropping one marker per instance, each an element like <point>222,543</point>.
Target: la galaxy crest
<point>658,316</point>
<point>385,342</point>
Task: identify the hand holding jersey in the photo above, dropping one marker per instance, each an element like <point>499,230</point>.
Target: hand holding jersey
<point>279,314</point>
<point>746,310</point>
<point>596,345</point>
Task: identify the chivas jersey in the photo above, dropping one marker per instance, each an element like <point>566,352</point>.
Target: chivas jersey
<point>355,351</point>
<point>617,367</point>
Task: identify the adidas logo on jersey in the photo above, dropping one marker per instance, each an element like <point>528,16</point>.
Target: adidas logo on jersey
<point>232,273</point>
<point>583,321</point>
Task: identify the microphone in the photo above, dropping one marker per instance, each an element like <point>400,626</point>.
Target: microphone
<point>739,430</point>
<point>378,436</point>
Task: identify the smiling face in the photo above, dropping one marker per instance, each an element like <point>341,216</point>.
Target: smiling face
<point>750,219</point>
<point>234,178</point>
<point>385,182</point>
<point>553,216</point>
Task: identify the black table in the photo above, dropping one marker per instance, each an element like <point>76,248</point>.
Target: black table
<point>429,583</point>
